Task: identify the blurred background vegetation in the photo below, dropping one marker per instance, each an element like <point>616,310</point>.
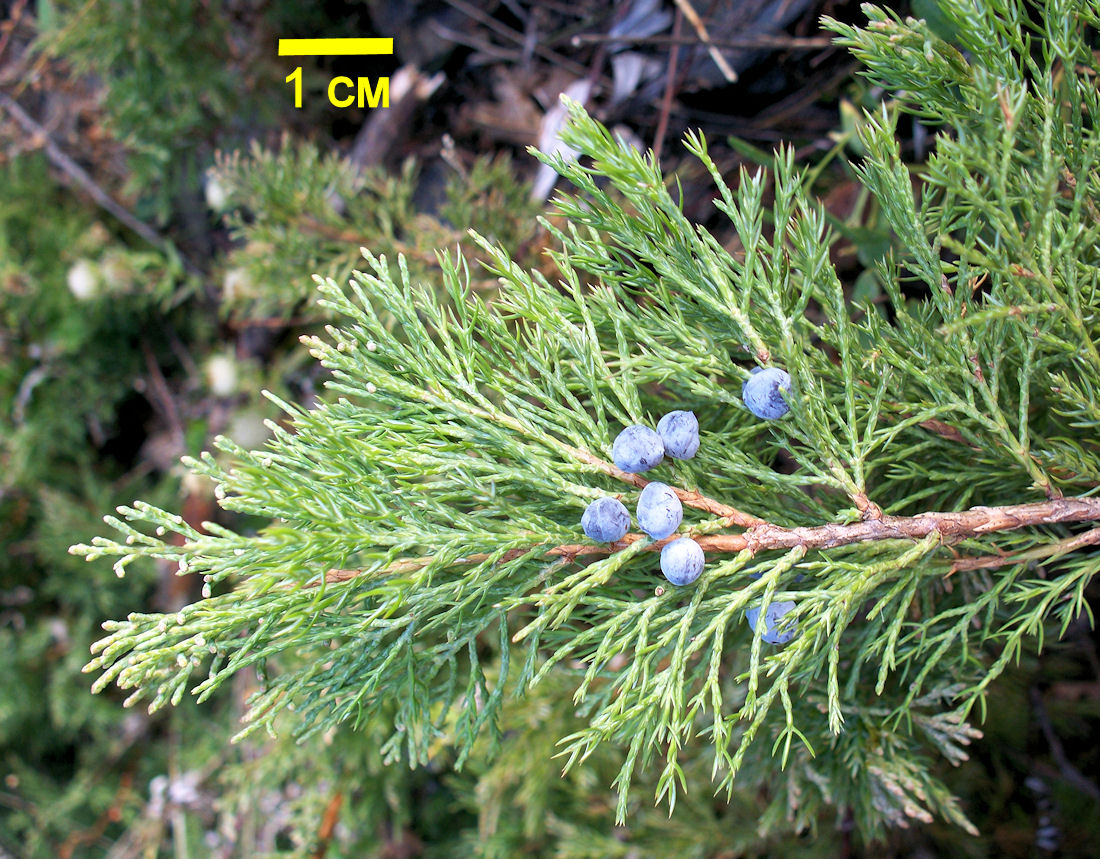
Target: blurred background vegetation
<point>162,208</point>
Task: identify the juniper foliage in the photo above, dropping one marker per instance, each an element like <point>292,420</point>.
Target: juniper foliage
<point>151,104</point>
<point>412,569</point>
<point>293,210</point>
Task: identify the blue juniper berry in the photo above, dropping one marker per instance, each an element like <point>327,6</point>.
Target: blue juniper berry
<point>637,448</point>
<point>763,392</point>
<point>605,520</point>
<point>682,561</point>
<point>773,618</point>
<point>679,431</point>
<point>659,511</point>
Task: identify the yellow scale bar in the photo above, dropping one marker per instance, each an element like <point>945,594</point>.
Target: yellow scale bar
<point>333,47</point>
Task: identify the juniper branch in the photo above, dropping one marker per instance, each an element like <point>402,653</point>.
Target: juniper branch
<point>1040,553</point>
<point>949,527</point>
<point>442,485</point>
<point>731,515</point>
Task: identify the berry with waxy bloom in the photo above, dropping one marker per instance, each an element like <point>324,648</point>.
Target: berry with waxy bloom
<point>682,561</point>
<point>659,511</point>
<point>763,392</point>
<point>679,431</point>
<point>775,630</point>
<point>605,520</point>
<point>637,448</point>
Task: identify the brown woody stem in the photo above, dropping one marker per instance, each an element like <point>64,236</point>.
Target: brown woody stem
<point>952,527</point>
<point>1048,550</point>
<point>691,499</point>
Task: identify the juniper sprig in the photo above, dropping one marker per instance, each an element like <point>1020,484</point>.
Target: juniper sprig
<point>424,559</point>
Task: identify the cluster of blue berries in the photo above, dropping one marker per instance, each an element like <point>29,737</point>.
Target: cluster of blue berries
<point>639,448</point>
